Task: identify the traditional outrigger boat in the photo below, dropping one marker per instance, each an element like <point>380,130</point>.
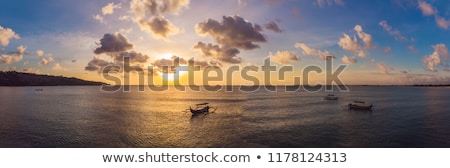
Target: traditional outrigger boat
<point>331,97</point>
<point>202,108</point>
<point>360,105</point>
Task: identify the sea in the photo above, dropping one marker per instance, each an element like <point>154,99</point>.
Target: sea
<point>86,117</point>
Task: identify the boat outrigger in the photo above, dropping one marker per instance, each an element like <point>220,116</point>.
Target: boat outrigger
<point>360,105</point>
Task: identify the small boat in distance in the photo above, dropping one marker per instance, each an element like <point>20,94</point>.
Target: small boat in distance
<point>331,97</point>
<point>39,89</point>
<point>199,110</point>
<point>202,108</point>
<point>360,105</point>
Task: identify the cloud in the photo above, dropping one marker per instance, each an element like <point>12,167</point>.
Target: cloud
<point>99,18</point>
<point>96,64</point>
<point>113,43</point>
<point>160,63</point>
<point>442,22</point>
<point>311,51</point>
<point>349,60</point>
<point>168,65</point>
<point>438,58</point>
<point>159,27</point>
<point>116,46</point>
<point>429,10</point>
<point>47,60</point>
<point>14,56</point>
<point>232,34</point>
<point>40,53</point>
<point>412,49</point>
<point>149,14</point>
<point>366,38</point>
<point>157,7</point>
<point>241,3</point>
<point>351,45</point>
<point>257,28</point>
<point>109,9</point>
<point>323,3</point>
<point>283,57</point>
<point>395,33</point>
<point>233,31</point>
<point>382,68</point>
<point>224,54</point>
<point>126,30</point>
<point>6,34</point>
<point>44,61</point>
<point>273,27</point>
<point>124,17</point>
<point>426,8</point>
<point>58,66</point>
<point>135,57</point>
<point>387,50</point>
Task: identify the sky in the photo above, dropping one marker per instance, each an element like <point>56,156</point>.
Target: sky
<point>381,42</point>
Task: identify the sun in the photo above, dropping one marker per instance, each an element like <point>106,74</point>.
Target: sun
<point>173,76</point>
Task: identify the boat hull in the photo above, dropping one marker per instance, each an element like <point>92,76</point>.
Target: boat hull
<point>331,98</point>
<point>200,111</point>
<point>360,107</point>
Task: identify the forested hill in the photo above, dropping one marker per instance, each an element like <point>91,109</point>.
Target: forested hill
<point>12,78</point>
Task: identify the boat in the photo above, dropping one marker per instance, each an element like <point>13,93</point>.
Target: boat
<point>360,105</point>
<point>39,89</point>
<point>331,97</point>
<point>202,110</point>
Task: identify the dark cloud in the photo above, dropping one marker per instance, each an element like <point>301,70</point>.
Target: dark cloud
<point>96,64</point>
<point>224,54</point>
<point>273,27</point>
<point>135,57</point>
<point>204,64</point>
<point>168,65</point>
<point>113,43</point>
<point>116,46</point>
<point>258,28</point>
<point>161,64</point>
<point>149,14</point>
<point>233,31</point>
<point>157,7</point>
<point>231,34</point>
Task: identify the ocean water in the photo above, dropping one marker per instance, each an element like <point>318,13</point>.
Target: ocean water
<point>84,116</point>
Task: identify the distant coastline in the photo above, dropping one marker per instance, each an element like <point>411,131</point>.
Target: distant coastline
<point>13,78</point>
